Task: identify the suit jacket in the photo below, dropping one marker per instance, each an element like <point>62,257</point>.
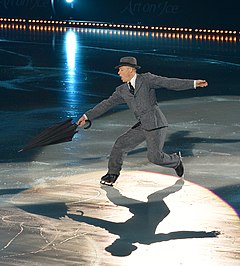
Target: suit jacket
<point>144,102</point>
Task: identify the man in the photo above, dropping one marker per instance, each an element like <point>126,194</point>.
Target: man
<point>138,92</point>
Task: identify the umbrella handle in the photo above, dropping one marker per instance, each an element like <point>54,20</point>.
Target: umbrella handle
<point>89,124</point>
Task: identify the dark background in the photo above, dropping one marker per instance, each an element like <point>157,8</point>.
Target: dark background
<point>184,13</point>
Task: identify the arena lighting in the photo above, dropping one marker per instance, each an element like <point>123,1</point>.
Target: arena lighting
<point>69,1</point>
<point>199,33</point>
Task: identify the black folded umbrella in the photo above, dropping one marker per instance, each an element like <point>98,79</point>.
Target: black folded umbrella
<point>61,132</point>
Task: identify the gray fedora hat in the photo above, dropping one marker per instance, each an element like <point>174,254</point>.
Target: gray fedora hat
<point>128,61</point>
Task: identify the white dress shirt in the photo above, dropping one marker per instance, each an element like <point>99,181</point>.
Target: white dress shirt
<point>133,80</point>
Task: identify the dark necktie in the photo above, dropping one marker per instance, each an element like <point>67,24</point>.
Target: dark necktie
<point>131,88</point>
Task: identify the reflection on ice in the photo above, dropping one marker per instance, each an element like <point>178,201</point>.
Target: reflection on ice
<point>51,219</point>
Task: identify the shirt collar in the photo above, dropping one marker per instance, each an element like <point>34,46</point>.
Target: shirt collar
<point>133,80</point>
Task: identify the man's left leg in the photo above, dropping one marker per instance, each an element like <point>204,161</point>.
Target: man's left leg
<point>155,141</point>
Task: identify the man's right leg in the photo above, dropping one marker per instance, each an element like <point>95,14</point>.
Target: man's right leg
<point>123,144</point>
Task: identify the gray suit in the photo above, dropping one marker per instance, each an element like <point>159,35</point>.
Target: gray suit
<point>146,110</point>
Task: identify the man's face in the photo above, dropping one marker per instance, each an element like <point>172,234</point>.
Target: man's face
<point>126,73</point>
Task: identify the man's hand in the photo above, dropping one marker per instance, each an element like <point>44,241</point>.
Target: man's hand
<point>82,121</point>
<point>201,83</point>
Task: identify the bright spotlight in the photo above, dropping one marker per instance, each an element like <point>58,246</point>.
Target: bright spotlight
<point>69,1</point>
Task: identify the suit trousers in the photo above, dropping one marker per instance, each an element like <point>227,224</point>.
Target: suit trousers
<point>134,136</point>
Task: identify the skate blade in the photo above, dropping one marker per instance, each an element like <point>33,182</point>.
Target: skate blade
<point>106,183</point>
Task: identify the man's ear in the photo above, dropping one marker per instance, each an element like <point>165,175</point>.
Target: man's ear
<point>133,70</point>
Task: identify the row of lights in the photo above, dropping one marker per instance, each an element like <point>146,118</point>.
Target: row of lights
<point>173,35</point>
<point>119,26</point>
